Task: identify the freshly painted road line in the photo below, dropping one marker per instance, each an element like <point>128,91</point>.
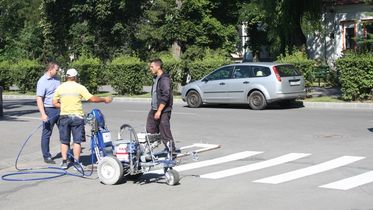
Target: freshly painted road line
<point>349,183</point>
<point>256,166</point>
<point>215,161</point>
<point>332,164</point>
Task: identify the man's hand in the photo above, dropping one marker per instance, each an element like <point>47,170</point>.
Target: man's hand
<point>44,117</point>
<point>157,115</point>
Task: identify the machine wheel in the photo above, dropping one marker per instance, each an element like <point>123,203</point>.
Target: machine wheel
<point>194,99</point>
<point>257,100</point>
<point>109,170</point>
<point>172,177</point>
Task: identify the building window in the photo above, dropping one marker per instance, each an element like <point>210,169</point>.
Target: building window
<point>349,35</point>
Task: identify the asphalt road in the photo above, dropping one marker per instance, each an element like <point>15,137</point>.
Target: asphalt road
<point>297,158</point>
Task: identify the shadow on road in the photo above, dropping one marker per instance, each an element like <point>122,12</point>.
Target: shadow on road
<point>17,108</point>
<point>272,106</point>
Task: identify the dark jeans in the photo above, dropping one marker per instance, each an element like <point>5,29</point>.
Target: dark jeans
<point>68,125</point>
<point>161,126</point>
<point>46,134</point>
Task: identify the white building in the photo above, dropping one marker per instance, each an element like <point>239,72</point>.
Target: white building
<point>345,22</point>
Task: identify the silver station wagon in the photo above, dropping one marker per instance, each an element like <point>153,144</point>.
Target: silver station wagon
<point>256,84</point>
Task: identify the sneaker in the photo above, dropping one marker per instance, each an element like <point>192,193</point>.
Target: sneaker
<point>64,164</point>
<point>49,160</point>
<point>78,166</point>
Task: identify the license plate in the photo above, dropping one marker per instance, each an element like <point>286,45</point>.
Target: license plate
<point>294,82</point>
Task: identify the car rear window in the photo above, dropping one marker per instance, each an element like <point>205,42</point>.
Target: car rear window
<point>288,71</point>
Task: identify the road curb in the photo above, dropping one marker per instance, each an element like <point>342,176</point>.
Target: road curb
<point>320,105</point>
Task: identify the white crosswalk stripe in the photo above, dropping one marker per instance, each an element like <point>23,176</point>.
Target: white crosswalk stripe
<point>224,159</point>
<point>344,184</point>
<point>292,175</point>
<point>256,166</point>
<point>352,182</point>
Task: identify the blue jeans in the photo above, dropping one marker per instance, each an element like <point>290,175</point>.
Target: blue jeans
<point>46,134</point>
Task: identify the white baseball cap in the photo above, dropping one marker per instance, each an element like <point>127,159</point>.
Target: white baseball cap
<point>71,73</point>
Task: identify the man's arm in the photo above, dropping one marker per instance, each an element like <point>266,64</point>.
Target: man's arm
<point>40,103</point>
<point>158,113</point>
<point>96,99</point>
<point>56,103</point>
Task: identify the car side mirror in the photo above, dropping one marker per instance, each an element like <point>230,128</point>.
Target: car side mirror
<point>205,80</point>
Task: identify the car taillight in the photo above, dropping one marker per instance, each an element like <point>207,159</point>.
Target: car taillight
<point>277,74</point>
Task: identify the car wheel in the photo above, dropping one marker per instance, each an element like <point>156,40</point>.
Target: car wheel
<point>194,99</point>
<point>257,101</point>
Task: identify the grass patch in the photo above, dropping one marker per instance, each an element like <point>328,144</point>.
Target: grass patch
<point>323,99</point>
<point>12,92</point>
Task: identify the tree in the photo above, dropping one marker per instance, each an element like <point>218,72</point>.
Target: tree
<point>283,21</point>
<point>20,35</point>
<point>100,28</point>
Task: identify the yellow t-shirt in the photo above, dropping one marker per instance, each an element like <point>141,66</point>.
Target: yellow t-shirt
<point>70,94</point>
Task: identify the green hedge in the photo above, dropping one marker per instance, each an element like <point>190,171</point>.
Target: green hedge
<point>356,76</point>
<point>200,68</point>
<point>301,62</point>
<point>25,74</point>
<point>92,73</point>
<point>127,75</point>
<point>175,68</point>
<point>5,74</point>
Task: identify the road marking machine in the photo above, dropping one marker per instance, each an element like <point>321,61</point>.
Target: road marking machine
<point>131,154</point>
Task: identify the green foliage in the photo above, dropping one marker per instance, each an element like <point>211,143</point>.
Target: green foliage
<point>25,74</point>
<point>126,75</point>
<point>200,67</point>
<point>356,76</point>
<point>173,67</point>
<point>6,79</point>
<point>280,23</point>
<point>91,72</point>
<point>300,61</point>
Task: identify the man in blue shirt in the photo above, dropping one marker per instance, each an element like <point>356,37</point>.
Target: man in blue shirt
<point>46,86</point>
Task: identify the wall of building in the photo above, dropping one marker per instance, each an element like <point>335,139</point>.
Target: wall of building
<point>329,44</point>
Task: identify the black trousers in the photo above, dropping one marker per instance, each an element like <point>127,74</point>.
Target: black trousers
<point>161,126</point>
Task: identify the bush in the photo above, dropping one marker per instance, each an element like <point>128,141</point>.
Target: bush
<point>91,72</point>
<point>173,67</point>
<point>300,61</point>
<point>26,73</point>
<point>127,75</point>
<point>6,79</point>
<point>356,76</point>
<point>199,68</point>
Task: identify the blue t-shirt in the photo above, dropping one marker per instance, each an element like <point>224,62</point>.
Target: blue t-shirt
<point>46,87</point>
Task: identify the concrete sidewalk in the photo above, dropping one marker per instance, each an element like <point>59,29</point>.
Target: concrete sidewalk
<point>322,105</point>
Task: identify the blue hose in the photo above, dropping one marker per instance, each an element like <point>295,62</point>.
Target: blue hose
<point>54,172</point>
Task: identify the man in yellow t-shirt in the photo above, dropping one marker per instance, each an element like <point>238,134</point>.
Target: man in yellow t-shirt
<point>68,98</point>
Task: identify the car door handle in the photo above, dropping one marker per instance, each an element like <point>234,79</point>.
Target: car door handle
<point>222,83</point>
<point>246,82</point>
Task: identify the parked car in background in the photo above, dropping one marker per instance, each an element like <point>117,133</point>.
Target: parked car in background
<point>256,84</point>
